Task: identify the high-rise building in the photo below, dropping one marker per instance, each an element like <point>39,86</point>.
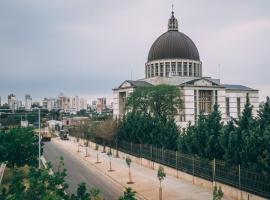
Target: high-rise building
<point>83,104</point>
<point>12,102</point>
<point>101,104</point>
<point>28,102</point>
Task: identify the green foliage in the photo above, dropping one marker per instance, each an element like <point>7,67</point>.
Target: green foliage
<point>128,161</point>
<point>19,147</point>
<point>146,129</point>
<point>109,153</point>
<point>43,185</point>
<point>161,100</point>
<point>217,193</point>
<point>161,173</point>
<point>129,194</point>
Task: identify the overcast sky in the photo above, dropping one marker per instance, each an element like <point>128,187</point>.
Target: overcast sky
<point>86,48</point>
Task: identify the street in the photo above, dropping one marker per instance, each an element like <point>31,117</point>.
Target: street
<point>81,172</point>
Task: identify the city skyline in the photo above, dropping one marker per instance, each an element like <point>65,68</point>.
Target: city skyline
<point>85,48</point>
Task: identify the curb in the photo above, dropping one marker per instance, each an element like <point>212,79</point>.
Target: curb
<point>139,196</point>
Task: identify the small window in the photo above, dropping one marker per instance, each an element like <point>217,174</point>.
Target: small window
<point>179,69</point>
<point>190,69</point>
<point>185,69</point>
<point>195,69</point>
<point>238,106</point>
<point>152,70</point>
<point>148,71</point>
<point>167,65</point>
<point>173,68</point>
<point>161,69</point>
<point>156,69</point>
<point>228,106</point>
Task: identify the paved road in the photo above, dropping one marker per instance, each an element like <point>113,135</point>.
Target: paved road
<point>79,171</point>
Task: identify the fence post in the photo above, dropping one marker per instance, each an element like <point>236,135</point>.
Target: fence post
<point>239,181</point>
<point>151,148</point>
<point>176,162</point>
<point>141,153</point>
<point>193,170</point>
<point>214,172</point>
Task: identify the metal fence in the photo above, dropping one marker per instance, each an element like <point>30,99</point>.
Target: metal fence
<point>211,170</point>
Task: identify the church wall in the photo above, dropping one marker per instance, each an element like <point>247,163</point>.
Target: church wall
<point>234,94</point>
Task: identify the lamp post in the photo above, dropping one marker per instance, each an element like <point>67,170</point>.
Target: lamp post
<point>39,139</point>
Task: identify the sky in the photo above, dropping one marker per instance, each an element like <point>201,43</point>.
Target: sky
<point>88,47</point>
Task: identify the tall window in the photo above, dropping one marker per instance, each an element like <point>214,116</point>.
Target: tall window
<point>190,69</point>
<point>152,70</point>
<point>205,101</point>
<point>179,69</point>
<point>195,69</point>
<point>185,69</point>
<point>238,106</point>
<point>216,96</point>
<point>161,69</point>
<point>167,71</point>
<point>228,106</point>
<point>173,68</point>
<point>148,71</point>
<point>195,105</point>
<point>156,69</point>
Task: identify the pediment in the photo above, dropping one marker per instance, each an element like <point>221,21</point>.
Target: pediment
<point>202,82</point>
<point>125,84</point>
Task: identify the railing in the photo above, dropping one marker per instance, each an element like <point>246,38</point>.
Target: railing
<point>2,170</point>
<point>211,170</point>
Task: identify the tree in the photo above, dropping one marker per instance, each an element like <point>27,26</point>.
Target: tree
<point>97,147</point>
<point>109,153</point>
<point>19,147</point>
<point>82,193</point>
<point>16,189</point>
<point>214,128</point>
<point>128,162</point>
<point>217,193</point>
<point>160,100</point>
<point>107,131</point>
<point>161,175</point>
<point>129,194</point>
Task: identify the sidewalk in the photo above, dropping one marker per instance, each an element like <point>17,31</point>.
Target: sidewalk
<point>146,183</point>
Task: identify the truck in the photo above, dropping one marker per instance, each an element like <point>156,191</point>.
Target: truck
<point>46,134</point>
<point>63,134</point>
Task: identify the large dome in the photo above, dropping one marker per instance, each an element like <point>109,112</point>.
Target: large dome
<point>173,45</point>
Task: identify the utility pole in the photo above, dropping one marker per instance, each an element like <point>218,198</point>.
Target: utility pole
<point>39,139</point>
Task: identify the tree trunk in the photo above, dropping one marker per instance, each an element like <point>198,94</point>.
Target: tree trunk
<point>160,193</point>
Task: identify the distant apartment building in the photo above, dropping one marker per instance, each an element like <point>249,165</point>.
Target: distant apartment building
<point>28,102</point>
<point>101,104</point>
<point>12,102</point>
<point>83,104</point>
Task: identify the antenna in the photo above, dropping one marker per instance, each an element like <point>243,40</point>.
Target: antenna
<point>130,74</point>
<point>218,71</point>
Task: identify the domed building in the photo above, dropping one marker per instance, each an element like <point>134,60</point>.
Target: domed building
<point>174,59</point>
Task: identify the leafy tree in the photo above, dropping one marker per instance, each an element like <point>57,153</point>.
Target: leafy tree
<point>82,193</point>
<point>161,175</point>
<point>128,162</point>
<point>160,100</point>
<point>19,147</point>
<point>217,193</point>
<point>214,127</point>
<point>129,194</point>
<point>16,189</point>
